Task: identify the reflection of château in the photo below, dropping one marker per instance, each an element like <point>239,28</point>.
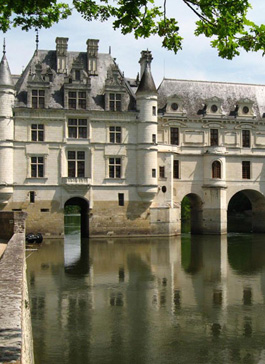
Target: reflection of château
<point>75,130</point>
<point>146,292</point>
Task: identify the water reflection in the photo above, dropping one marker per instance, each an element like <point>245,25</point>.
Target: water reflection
<point>189,299</point>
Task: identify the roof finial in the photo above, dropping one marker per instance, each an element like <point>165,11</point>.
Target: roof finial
<point>37,39</point>
<point>4,47</point>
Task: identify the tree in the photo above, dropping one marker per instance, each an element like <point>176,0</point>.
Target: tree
<point>224,21</point>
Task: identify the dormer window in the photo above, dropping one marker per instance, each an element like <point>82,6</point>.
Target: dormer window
<point>76,100</point>
<point>245,109</point>
<point>115,102</point>
<point>174,106</point>
<point>38,99</point>
<point>214,108</point>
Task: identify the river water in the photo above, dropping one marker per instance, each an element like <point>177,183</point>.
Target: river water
<point>184,300</point>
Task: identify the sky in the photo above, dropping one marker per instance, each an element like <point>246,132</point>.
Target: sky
<point>196,61</point>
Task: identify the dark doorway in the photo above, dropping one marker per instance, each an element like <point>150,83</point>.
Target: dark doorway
<point>77,205</point>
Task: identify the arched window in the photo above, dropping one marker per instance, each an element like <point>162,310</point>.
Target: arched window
<point>216,169</point>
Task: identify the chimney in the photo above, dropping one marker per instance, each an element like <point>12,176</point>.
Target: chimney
<point>61,54</point>
<point>92,56</point>
<point>146,59</point>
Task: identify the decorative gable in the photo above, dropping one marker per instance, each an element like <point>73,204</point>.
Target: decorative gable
<point>175,105</point>
<point>245,108</point>
<point>213,106</point>
<point>115,91</point>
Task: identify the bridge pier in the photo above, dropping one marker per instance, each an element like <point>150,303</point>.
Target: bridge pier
<point>214,212</point>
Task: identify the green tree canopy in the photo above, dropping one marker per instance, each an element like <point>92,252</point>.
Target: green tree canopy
<point>224,21</point>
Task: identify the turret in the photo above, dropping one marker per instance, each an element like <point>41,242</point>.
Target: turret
<point>146,101</point>
<point>7,97</point>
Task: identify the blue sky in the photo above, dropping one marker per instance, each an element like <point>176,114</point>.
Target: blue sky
<point>197,60</point>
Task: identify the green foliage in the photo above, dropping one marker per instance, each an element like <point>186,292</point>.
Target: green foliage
<point>185,209</point>
<point>72,209</point>
<point>224,21</point>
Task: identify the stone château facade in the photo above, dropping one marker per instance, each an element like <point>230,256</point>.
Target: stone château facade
<point>75,130</point>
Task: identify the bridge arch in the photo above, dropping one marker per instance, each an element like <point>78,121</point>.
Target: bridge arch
<point>195,206</point>
<point>248,204</point>
<point>83,205</point>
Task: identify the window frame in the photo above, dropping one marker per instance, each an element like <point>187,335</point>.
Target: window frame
<point>246,138</point>
<point>246,172</point>
<point>115,134</point>
<point>115,167</point>
<point>176,170</point>
<point>115,101</point>
<point>76,165</point>
<point>38,98</point>
<point>77,99</point>
<point>37,132</point>
<point>37,169</point>
<point>216,170</point>
<point>75,130</point>
<point>214,137</point>
<point>174,136</point>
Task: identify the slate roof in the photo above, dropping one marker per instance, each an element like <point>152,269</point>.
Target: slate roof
<point>195,93</point>
<point>48,61</point>
<point>147,84</point>
<point>5,74</point>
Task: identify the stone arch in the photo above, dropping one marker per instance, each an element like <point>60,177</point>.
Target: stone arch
<point>257,208</point>
<point>84,209</point>
<point>196,221</point>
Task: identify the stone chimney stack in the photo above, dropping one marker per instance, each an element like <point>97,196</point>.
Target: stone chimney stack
<point>92,56</point>
<point>146,59</point>
<point>61,54</point>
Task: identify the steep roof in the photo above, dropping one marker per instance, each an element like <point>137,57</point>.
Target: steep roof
<point>147,84</point>
<point>195,93</point>
<point>47,58</point>
<point>5,74</point>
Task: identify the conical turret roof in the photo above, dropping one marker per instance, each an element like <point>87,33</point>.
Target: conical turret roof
<point>147,83</point>
<point>5,74</point>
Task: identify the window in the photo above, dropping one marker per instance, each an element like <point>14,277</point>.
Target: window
<point>216,169</point>
<point>214,137</point>
<point>114,167</point>
<point>37,132</point>
<point>115,134</point>
<point>174,136</point>
<point>38,99</point>
<point>245,138</point>
<point>115,102</point>
<point>76,164</point>
<point>162,172</point>
<point>121,199</point>
<point>31,196</point>
<point>154,110</point>
<point>77,75</point>
<point>154,138</point>
<point>246,170</point>
<point>154,173</point>
<point>37,167</point>
<point>77,100</point>
<point>176,169</point>
<point>77,128</point>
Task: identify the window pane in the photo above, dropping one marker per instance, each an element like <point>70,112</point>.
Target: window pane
<point>33,170</point>
<point>41,93</point>
<point>80,169</point>
<point>40,170</point>
<point>72,121</point>
<point>176,169</point>
<point>81,155</point>
<point>72,132</point>
<point>174,136</point>
<point>82,132</point>
<point>33,135</point>
<point>111,171</point>
<point>41,136</point>
<point>71,168</point>
<point>82,122</point>
<point>71,155</point>
<point>118,171</point>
